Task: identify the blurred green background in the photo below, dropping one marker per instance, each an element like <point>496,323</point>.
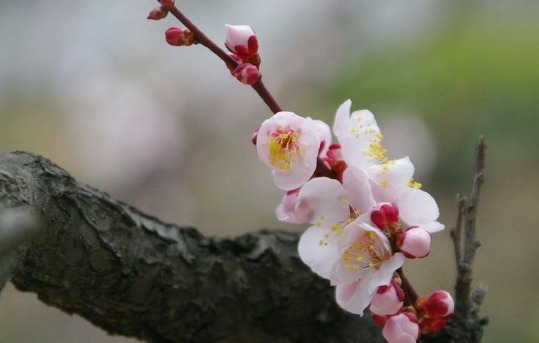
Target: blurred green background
<point>93,86</point>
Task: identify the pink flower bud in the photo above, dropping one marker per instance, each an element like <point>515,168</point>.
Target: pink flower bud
<point>438,304</point>
<point>429,325</point>
<point>167,4</point>
<point>241,40</point>
<point>157,13</point>
<point>401,328</point>
<point>388,300</point>
<point>177,36</point>
<point>386,216</point>
<point>415,242</point>
<point>247,73</point>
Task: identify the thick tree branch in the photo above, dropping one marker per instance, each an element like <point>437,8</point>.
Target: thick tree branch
<point>133,275</point>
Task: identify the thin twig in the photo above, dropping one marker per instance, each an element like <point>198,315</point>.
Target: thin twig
<point>457,233</point>
<point>466,242</point>
<point>204,40</point>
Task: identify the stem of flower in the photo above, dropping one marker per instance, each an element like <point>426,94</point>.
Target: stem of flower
<point>411,295</point>
<point>204,40</point>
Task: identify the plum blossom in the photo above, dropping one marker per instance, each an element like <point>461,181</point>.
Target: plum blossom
<point>289,145</point>
<point>391,180</point>
<point>416,207</point>
<point>360,140</point>
<point>322,202</point>
<point>331,207</point>
<point>367,215</point>
<point>366,262</point>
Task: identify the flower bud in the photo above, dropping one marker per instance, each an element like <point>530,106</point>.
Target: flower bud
<point>388,300</point>
<point>177,36</point>
<point>167,4</point>
<point>241,40</point>
<point>438,304</point>
<point>414,243</point>
<point>401,328</point>
<point>386,216</point>
<point>247,73</point>
<point>429,325</point>
<point>157,13</point>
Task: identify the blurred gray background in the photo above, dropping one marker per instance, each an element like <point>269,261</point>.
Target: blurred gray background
<point>93,86</point>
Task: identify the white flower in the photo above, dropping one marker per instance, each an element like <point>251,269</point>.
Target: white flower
<point>289,144</point>
<point>359,137</point>
<point>329,211</point>
<point>332,207</point>
<point>366,262</point>
<point>361,146</point>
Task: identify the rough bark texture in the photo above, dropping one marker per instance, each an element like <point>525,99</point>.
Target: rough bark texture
<point>133,275</point>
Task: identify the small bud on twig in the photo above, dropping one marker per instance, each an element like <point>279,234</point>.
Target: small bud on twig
<point>247,73</point>
<point>177,36</point>
<point>157,13</point>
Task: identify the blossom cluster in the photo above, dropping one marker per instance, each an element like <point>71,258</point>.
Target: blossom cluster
<point>367,216</point>
<point>367,213</point>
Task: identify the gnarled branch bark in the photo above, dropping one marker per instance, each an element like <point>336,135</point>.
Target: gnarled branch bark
<point>133,275</point>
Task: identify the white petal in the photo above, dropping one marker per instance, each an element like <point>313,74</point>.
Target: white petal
<point>238,35</point>
<point>326,198</point>
<point>353,297</point>
<point>294,178</point>
<point>361,145</point>
<point>399,173</point>
<point>417,207</point>
<point>318,256</point>
<point>393,177</point>
<point>359,190</point>
<point>340,126</point>
<point>383,276</point>
<point>324,132</point>
<point>433,227</point>
<point>292,211</point>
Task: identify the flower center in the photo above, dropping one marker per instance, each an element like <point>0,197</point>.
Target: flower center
<point>284,148</point>
<point>365,253</point>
